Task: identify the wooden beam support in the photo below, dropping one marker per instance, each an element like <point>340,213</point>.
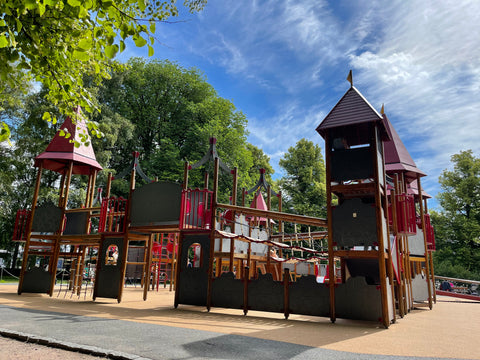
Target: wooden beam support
<point>275,215</point>
<point>212,234</point>
<point>29,229</point>
<point>54,259</point>
<point>331,258</point>
<point>427,262</point>
<point>374,140</point>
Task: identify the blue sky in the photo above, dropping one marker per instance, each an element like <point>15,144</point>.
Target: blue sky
<point>284,64</point>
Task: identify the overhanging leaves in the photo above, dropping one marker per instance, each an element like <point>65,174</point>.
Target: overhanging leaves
<point>61,41</point>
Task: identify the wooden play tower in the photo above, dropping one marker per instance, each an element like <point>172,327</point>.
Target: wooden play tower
<point>49,226</point>
<point>371,259</point>
<point>358,230</point>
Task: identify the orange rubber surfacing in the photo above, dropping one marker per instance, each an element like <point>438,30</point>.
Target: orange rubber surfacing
<point>447,331</point>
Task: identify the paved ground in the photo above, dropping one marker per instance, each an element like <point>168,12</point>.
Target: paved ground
<point>152,329</point>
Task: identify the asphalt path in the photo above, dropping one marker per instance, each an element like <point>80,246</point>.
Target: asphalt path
<point>120,339</point>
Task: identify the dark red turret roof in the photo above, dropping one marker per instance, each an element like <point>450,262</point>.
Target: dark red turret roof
<point>413,189</point>
<point>61,151</point>
<point>352,111</point>
<point>397,158</point>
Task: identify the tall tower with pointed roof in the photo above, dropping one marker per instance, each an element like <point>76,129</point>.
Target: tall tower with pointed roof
<point>47,222</point>
<point>357,227</point>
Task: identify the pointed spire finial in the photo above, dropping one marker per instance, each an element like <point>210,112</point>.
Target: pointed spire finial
<point>350,78</point>
<point>382,110</point>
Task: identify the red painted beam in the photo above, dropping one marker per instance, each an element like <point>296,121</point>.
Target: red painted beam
<point>457,295</point>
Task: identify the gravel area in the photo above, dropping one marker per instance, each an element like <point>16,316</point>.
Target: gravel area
<point>15,349</point>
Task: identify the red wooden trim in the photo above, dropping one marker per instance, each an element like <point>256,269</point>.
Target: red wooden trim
<point>457,295</point>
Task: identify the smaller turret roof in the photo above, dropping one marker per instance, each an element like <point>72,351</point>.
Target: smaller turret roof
<point>397,157</point>
<point>61,150</point>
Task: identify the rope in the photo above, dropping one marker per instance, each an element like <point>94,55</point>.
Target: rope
<point>4,270</point>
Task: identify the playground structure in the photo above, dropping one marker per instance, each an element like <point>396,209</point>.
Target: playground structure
<point>369,260</point>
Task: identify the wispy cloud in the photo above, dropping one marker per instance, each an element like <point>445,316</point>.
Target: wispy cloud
<point>290,124</point>
<point>426,70</point>
<point>419,57</point>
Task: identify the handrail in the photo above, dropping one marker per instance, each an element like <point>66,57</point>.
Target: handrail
<point>96,208</point>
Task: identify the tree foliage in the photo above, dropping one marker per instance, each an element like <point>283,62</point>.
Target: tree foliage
<point>17,175</point>
<point>30,137</point>
<point>304,182</point>
<point>11,105</point>
<point>57,42</point>
<point>457,226</point>
<point>159,108</point>
<point>173,112</point>
<point>260,161</point>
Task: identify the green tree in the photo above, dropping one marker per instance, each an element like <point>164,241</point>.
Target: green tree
<point>12,99</point>
<point>304,182</point>
<point>260,161</point>
<point>457,225</point>
<point>31,135</point>
<point>57,42</point>
<point>174,112</point>
<point>17,175</point>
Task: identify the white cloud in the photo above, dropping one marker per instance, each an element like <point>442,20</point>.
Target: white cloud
<point>419,57</point>
<point>426,70</point>
<point>291,123</point>
<point>271,41</point>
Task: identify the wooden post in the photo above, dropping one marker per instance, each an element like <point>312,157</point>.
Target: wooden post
<point>245,290</point>
<point>401,249</point>
<point>268,226</point>
<point>109,185</point>
<point>212,235</point>
<point>269,197</point>
<point>432,276</point>
<point>146,249</point>
<point>218,270</point>
<point>389,247</point>
<point>79,275</point>
<point>427,263</point>
<point>401,304</point>
<point>286,295</point>
<point>331,256</point>
<point>234,197</point>
<point>147,268</point>
<point>280,223</point>
<point>180,267</point>
<point>379,213</point>
<point>124,254</point>
<point>406,247</point>
<point>61,190</point>
<point>268,266</point>
<point>29,229</point>
<point>173,266</point>
<point>430,257</point>
<point>92,193</point>
<point>89,189</point>
<point>249,258</point>
<point>205,180</point>
<point>54,259</point>
<point>232,250</point>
